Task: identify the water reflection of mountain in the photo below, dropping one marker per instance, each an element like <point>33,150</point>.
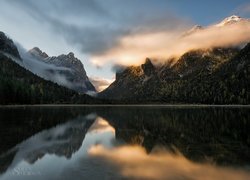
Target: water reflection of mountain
<point>63,141</point>
<point>218,135</point>
<point>62,152</point>
<point>19,123</point>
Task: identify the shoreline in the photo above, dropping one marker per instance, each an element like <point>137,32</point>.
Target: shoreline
<point>125,105</point>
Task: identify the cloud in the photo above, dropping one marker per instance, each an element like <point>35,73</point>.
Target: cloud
<point>100,83</point>
<point>100,126</point>
<point>134,162</point>
<point>47,71</point>
<point>133,49</point>
<point>126,32</point>
<point>96,27</point>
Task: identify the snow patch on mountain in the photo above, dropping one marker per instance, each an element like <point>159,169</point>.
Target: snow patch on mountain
<point>230,20</point>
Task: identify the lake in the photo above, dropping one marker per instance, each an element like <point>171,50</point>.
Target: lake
<point>124,142</point>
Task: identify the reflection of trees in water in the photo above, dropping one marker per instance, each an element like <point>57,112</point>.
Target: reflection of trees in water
<point>219,135</point>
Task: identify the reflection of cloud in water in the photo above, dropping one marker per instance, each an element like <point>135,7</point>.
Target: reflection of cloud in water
<point>63,141</point>
<point>134,162</point>
<point>101,126</point>
<point>95,154</point>
<point>44,154</point>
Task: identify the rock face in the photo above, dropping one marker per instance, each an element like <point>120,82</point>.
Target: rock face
<point>148,68</point>
<point>214,76</point>
<point>68,67</point>
<point>8,46</point>
<point>38,53</point>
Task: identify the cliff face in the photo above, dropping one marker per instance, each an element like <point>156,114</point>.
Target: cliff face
<point>68,67</point>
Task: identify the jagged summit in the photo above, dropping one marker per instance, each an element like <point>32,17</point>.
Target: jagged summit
<point>75,75</point>
<point>148,67</point>
<point>225,22</point>
<point>71,55</point>
<point>38,52</point>
<point>194,29</point>
<point>230,20</point>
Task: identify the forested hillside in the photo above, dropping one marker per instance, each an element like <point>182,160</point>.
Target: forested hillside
<point>217,76</point>
<point>20,86</point>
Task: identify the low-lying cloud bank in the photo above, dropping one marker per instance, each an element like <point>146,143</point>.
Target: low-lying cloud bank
<point>100,83</point>
<point>133,49</point>
<point>46,71</point>
<point>134,162</point>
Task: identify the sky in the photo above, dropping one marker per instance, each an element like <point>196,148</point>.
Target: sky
<point>102,33</point>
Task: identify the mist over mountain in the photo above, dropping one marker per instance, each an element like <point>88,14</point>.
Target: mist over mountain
<point>215,76</point>
<point>19,85</point>
<point>66,70</point>
<point>161,46</point>
<point>194,77</point>
<point>135,89</point>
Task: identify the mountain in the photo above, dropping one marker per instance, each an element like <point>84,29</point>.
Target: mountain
<point>231,20</point>
<point>225,22</point>
<point>193,30</point>
<point>20,86</point>
<point>66,70</point>
<point>214,76</point>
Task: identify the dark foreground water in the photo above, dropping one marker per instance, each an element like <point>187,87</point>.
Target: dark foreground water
<point>124,143</point>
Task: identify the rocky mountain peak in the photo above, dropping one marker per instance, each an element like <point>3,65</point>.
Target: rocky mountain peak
<point>71,55</point>
<point>194,29</point>
<point>148,67</point>
<point>225,22</point>
<point>38,53</point>
<point>230,20</point>
<point>68,67</point>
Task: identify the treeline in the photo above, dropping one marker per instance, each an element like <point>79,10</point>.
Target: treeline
<point>229,84</point>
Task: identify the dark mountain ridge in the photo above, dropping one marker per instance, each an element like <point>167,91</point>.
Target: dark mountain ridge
<point>214,76</point>
<point>211,76</point>
<point>20,86</point>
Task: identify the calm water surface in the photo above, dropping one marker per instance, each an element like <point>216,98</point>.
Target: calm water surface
<point>57,142</point>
